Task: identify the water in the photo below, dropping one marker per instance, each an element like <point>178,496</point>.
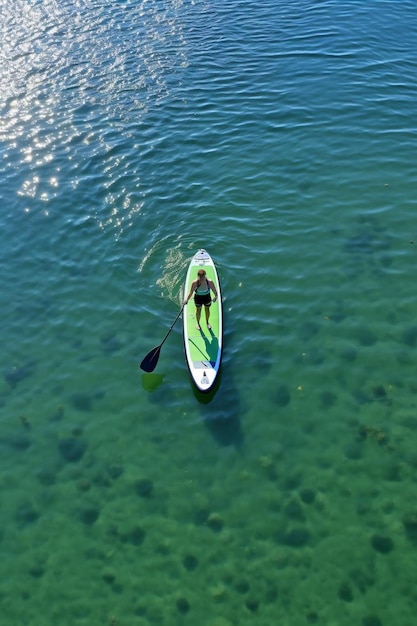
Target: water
<point>279,136</point>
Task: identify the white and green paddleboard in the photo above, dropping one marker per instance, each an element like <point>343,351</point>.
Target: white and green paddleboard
<point>203,348</point>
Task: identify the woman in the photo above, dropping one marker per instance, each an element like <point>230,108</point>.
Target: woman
<point>201,289</point>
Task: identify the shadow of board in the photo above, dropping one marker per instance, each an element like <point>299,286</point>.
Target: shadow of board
<point>221,409</point>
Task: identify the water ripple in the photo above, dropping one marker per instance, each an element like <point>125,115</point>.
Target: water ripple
<point>281,137</point>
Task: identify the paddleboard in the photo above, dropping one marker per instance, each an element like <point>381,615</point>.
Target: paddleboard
<point>203,348</point>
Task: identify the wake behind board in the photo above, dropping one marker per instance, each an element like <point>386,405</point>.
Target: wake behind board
<point>203,348</point>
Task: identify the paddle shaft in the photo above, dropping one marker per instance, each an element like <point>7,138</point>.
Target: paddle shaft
<point>151,359</point>
<point>171,327</point>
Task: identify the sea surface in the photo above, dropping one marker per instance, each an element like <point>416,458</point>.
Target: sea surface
<point>281,137</point>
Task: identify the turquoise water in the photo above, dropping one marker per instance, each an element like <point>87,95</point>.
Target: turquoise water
<point>280,137</point>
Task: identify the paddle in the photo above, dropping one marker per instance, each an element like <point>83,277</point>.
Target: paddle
<point>151,359</point>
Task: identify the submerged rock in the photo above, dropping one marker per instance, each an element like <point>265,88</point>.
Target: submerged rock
<point>371,620</point>
<point>242,586</point>
<point>144,487</point>
<point>36,570</point>
<point>89,514</point>
<point>81,401</point>
<point>297,537</point>
<point>201,516</point>
<point>410,526</point>
<point>294,510</point>
<point>109,576</point>
<point>366,336</point>
<point>282,396</point>
<point>190,562</point>
<point>136,536</point>
<point>345,592</point>
<point>327,399</point>
<point>183,605</point>
<point>18,441</point>
<point>115,470</point>
<point>252,604</point>
<point>72,448</point>
<point>15,374</point>
<point>46,475</point>
<point>307,495</point>
<point>26,514</point>
<point>410,336</point>
<point>382,544</point>
<point>58,414</point>
<point>215,522</point>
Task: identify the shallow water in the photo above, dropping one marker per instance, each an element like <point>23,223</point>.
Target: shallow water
<point>281,138</point>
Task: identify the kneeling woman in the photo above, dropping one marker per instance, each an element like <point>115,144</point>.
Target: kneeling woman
<point>201,288</point>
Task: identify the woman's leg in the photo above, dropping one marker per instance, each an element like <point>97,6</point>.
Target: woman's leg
<point>198,315</point>
<point>207,311</point>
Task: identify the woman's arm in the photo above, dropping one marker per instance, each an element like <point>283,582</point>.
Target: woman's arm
<point>193,288</point>
<point>213,288</point>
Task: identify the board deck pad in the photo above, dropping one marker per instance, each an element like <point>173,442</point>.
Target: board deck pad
<point>203,347</point>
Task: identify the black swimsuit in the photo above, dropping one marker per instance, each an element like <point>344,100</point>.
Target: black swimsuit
<point>202,297</point>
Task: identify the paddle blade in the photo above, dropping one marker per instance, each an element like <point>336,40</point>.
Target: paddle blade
<point>151,359</point>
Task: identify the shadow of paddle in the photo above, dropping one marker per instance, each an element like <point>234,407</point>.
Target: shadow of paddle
<point>211,346</point>
<point>151,382</point>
